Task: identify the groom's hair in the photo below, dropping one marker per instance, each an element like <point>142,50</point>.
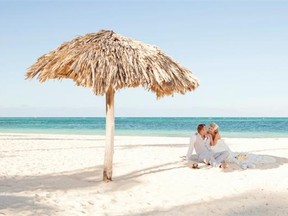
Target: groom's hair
<point>200,127</point>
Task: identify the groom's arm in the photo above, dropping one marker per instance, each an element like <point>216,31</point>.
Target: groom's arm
<point>191,147</point>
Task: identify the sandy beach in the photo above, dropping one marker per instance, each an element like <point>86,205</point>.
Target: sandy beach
<point>61,175</point>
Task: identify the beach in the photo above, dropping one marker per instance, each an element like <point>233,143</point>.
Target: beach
<point>52,174</point>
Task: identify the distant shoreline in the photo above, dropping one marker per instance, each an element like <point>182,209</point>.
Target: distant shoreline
<point>15,134</point>
<point>147,126</point>
<point>192,117</point>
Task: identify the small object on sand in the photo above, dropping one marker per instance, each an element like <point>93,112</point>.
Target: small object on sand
<point>194,166</point>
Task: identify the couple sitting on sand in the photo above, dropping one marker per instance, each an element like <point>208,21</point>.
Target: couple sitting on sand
<point>202,141</point>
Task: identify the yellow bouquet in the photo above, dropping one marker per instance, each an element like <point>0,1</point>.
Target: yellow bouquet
<point>241,157</point>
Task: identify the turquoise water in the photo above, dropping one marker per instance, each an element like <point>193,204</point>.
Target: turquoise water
<point>229,127</point>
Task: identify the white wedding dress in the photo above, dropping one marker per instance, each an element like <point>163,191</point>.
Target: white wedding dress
<point>243,159</point>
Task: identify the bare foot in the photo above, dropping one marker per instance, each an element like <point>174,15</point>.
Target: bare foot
<point>224,165</point>
<point>206,162</point>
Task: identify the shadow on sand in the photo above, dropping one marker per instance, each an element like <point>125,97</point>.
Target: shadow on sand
<point>275,162</point>
<point>91,177</point>
<point>83,178</point>
<point>258,203</point>
<point>23,205</point>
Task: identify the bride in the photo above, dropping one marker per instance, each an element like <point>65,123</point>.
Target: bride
<point>213,134</point>
<point>244,160</point>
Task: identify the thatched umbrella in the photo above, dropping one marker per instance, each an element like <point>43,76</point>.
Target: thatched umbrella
<point>107,62</point>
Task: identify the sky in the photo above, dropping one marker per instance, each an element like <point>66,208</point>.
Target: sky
<point>237,49</point>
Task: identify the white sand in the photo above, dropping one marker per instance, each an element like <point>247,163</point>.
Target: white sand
<point>61,175</point>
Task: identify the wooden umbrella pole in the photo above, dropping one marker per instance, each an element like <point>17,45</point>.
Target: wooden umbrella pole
<point>110,127</point>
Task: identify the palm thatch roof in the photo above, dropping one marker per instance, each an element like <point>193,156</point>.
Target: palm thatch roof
<point>104,60</point>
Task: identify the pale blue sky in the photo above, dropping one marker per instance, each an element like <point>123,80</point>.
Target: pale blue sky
<point>238,50</point>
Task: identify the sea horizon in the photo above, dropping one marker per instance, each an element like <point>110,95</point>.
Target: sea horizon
<point>238,127</point>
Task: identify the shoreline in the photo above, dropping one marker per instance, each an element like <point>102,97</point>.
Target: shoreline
<point>140,135</point>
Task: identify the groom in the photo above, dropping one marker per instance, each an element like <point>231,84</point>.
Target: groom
<point>205,154</point>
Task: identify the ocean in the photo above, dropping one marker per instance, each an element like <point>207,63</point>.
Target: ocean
<point>153,126</point>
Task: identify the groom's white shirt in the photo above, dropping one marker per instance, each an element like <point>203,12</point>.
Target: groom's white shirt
<point>201,145</point>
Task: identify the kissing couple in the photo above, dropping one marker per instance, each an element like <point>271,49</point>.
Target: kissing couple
<point>202,141</point>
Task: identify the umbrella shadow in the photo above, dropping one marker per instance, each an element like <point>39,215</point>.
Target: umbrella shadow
<point>22,204</point>
<point>64,181</point>
<point>126,181</point>
<point>90,177</point>
<point>152,170</point>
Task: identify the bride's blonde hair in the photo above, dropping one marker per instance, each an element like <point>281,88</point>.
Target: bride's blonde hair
<point>215,127</point>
